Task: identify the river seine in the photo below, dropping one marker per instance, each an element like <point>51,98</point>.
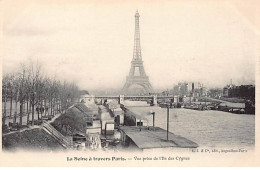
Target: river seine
<point>209,128</point>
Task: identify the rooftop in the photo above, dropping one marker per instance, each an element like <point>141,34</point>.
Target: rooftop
<point>149,138</point>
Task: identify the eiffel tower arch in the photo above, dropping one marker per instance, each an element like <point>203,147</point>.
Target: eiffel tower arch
<point>137,75</point>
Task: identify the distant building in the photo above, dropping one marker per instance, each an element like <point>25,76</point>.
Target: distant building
<point>189,89</point>
<point>181,89</point>
<point>242,91</point>
<point>215,92</point>
<point>227,89</point>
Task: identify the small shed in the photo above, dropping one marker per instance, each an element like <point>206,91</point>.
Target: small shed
<point>107,123</point>
<point>132,119</point>
<point>95,128</point>
<point>119,116</point>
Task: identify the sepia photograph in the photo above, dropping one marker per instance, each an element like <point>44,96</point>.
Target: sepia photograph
<point>130,83</point>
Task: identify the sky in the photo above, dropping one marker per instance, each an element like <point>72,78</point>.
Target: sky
<point>91,42</point>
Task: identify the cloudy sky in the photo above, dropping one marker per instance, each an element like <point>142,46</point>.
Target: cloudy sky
<point>91,43</point>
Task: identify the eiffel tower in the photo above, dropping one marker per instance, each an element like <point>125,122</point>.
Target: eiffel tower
<point>137,74</point>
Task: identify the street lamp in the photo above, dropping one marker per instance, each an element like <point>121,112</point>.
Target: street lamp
<point>168,107</point>
<point>140,128</point>
<point>153,113</point>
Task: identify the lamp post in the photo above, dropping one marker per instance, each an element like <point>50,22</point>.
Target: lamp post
<point>153,113</point>
<point>205,99</point>
<point>168,106</point>
<point>140,125</point>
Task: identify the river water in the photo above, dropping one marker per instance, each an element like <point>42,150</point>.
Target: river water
<point>209,128</point>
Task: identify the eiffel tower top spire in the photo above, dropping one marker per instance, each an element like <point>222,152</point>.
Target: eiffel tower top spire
<point>137,45</point>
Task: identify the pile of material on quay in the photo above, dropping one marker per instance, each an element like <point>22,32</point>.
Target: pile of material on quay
<point>30,140</point>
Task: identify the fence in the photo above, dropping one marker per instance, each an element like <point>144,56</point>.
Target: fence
<point>56,134</point>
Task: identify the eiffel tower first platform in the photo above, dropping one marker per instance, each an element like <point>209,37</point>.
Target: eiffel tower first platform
<point>137,74</point>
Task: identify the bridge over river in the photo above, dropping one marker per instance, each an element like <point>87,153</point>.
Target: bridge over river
<point>121,98</point>
<point>154,98</point>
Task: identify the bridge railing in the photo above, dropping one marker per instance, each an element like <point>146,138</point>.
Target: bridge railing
<point>116,97</point>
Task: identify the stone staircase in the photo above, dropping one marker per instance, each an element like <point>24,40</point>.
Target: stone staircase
<point>47,127</point>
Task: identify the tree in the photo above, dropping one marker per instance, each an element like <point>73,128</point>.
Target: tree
<point>28,86</point>
<point>4,96</point>
<point>10,88</point>
<point>22,88</point>
<point>34,85</point>
<point>16,96</point>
